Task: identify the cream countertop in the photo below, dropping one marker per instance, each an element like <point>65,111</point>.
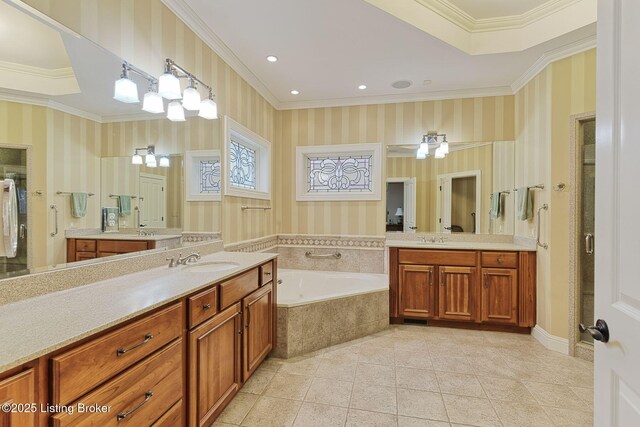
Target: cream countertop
<point>118,236</point>
<point>473,246</point>
<point>37,326</point>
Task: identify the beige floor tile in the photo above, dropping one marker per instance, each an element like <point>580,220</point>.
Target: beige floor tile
<point>421,404</point>
<point>374,398</point>
<point>337,369</point>
<point>460,365</point>
<point>223,424</point>
<point>258,381</point>
<point>585,394</point>
<point>412,359</point>
<point>558,396</point>
<point>272,364</point>
<point>301,366</point>
<point>562,417</point>
<point>346,354</point>
<point>367,373</point>
<point>272,412</point>
<point>315,415</point>
<point>416,379</point>
<point>491,367</point>
<point>329,392</point>
<point>505,389</point>
<point>470,411</point>
<point>411,344</point>
<point>419,422</point>
<point>521,414</point>
<point>376,355</point>
<point>239,407</point>
<point>288,386</point>
<point>459,384</point>
<point>358,418</point>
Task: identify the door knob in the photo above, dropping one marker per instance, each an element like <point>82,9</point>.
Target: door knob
<point>599,332</point>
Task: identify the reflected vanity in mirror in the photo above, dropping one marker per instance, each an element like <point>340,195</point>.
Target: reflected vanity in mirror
<point>67,147</point>
<point>453,194</point>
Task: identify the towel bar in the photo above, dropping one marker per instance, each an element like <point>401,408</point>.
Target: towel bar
<point>336,255</point>
<point>542,245</point>
<point>115,196</point>
<point>255,208</point>
<point>55,209</point>
<point>67,193</point>
<point>533,187</point>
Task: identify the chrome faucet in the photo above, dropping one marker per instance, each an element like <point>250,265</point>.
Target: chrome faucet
<point>189,259</point>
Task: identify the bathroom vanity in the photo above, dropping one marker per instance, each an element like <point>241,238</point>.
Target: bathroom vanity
<point>100,246</point>
<point>480,286</point>
<point>180,362</point>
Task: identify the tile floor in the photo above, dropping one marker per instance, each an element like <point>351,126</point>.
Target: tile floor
<point>419,376</point>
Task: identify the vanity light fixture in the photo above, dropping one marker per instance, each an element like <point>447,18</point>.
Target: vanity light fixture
<point>151,160</point>
<point>175,112</point>
<point>136,159</point>
<point>168,84</point>
<point>362,87</point>
<point>439,153</point>
<point>295,92</point>
<point>208,108</point>
<point>150,157</point>
<point>126,90</point>
<point>191,97</point>
<point>444,145</point>
<point>164,162</point>
<point>152,102</point>
<point>431,140</point>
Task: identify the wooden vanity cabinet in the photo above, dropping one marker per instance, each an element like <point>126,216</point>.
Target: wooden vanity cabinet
<point>257,338</point>
<point>19,388</point>
<point>476,289</point>
<point>83,249</point>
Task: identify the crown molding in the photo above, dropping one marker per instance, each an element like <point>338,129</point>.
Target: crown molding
<point>183,11</point>
<point>45,73</point>
<point>552,56</point>
<point>398,98</point>
<point>48,103</point>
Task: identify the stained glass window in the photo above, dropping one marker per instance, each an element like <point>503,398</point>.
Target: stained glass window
<point>242,166</point>
<point>209,176</point>
<point>339,174</point>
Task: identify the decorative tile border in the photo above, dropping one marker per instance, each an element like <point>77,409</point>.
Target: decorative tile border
<point>196,236</point>
<point>254,245</point>
<point>331,241</point>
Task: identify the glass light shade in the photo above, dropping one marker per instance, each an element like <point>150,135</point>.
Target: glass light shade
<point>175,112</point>
<point>126,91</point>
<point>164,162</point>
<point>421,155</point>
<point>191,99</point>
<point>153,103</point>
<point>424,147</point>
<point>444,147</point>
<point>439,154</point>
<point>153,164</point>
<point>136,159</point>
<point>169,86</point>
<point>208,109</point>
<point>149,158</point>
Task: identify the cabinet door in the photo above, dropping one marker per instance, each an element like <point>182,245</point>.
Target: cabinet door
<point>500,295</point>
<point>18,389</point>
<point>258,335</point>
<point>214,365</point>
<point>416,292</point>
<point>457,292</point>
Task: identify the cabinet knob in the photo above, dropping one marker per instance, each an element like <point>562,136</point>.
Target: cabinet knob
<point>500,260</point>
<point>206,306</point>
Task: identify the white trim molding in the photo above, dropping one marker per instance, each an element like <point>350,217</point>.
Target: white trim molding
<point>552,342</point>
<point>192,175</point>
<point>303,153</point>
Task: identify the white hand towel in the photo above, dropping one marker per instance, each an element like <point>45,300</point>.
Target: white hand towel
<point>9,219</point>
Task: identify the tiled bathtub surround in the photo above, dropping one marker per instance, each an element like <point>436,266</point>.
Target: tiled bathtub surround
<point>315,326</point>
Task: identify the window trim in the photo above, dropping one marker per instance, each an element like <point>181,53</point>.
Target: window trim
<point>190,155</point>
<point>239,133</point>
<point>303,152</point>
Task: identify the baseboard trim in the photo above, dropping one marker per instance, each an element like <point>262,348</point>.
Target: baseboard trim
<point>552,342</point>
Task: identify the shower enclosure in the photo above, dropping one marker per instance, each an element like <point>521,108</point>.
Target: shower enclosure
<point>13,165</point>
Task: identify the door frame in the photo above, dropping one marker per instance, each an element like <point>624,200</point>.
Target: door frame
<point>163,178</point>
<point>403,180</point>
<point>477,174</point>
<point>576,347</point>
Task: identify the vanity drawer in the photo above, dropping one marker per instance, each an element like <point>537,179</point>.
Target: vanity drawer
<point>237,288</point>
<point>152,386</point>
<point>81,369</point>
<point>84,245</point>
<point>266,273</point>
<point>437,257</point>
<point>121,246</point>
<point>500,259</point>
<point>171,418</point>
<point>203,306</point>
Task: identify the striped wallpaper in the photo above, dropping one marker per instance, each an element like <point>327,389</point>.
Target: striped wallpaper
<point>463,120</point>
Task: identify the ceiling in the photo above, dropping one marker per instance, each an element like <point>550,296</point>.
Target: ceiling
<point>483,9</point>
<point>326,49</point>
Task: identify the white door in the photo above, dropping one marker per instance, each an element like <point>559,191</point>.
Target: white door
<point>444,220</point>
<point>617,282</point>
<point>410,206</point>
<point>153,203</point>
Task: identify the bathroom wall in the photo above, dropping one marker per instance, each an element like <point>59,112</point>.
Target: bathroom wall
<point>66,157</point>
<point>427,171</point>
<point>471,119</point>
<point>543,109</point>
<point>145,32</point>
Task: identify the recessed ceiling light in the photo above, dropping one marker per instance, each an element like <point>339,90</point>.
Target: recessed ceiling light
<point>295,92</point>
<point>401,84</point>
<point>272,58</point>
<point>362,87</point>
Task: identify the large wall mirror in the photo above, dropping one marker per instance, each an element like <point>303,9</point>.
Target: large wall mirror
<point>67,154</point>
<point>454,194</point>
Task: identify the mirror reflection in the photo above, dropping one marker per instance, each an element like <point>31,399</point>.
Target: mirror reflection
<point>453,194</point>
<point>66,151</point>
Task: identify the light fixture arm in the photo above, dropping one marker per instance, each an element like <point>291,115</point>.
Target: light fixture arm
<point>181,73</point>
<point>126,68</point>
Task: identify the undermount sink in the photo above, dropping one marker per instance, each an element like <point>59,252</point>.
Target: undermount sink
<point>211,267</point>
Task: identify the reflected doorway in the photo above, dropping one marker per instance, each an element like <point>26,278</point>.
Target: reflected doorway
<point>401,205</point>
<point>459,202</point>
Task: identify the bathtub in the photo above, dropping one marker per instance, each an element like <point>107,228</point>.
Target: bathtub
<point>318,309</point>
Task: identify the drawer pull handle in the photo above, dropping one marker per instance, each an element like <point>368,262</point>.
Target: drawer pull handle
<point>500,260</point>
<point>248,315</point>
<point>206,306</point>
<point>122,415</point>
<point>122,351</point>
<point>267,273</point>
<point>486,285</point>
